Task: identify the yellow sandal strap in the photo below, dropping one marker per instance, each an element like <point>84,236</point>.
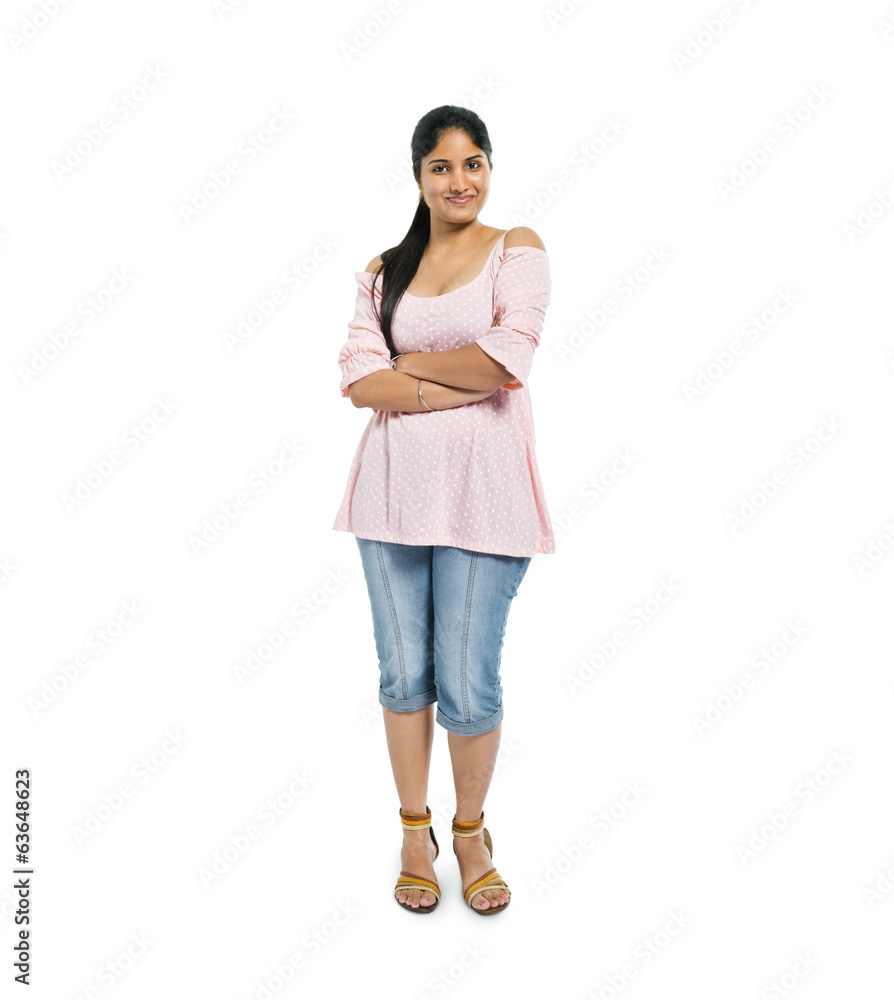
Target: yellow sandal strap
<point>489,880</point>
<point>468,829</point>
<point>408,881</point>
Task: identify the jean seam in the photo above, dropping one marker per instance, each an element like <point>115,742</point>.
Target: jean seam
<point>397,638</point>
<point>464,687</point>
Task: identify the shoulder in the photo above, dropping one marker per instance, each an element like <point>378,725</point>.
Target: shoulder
<point>522,236</point>
<point>373,266</point>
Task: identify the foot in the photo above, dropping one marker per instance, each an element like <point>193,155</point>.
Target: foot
<point>416,856</point>
<point>474,860</point>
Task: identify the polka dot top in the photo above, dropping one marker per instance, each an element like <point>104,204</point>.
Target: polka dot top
<point>465,476</point>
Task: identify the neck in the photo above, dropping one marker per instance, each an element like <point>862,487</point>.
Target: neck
<point>452,236</point>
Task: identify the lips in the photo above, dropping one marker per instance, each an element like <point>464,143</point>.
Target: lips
<point>461,201</point>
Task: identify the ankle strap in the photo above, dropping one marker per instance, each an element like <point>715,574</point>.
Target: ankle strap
<point>416,821</point>
<point>467,829</point>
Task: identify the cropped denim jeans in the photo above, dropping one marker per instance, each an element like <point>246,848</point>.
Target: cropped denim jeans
<point>439,617</point>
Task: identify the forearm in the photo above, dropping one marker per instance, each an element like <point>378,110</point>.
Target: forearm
<point>394,390</point>
<point>468,367</point>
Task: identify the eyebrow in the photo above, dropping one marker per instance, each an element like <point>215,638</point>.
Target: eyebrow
<point>477,156</point>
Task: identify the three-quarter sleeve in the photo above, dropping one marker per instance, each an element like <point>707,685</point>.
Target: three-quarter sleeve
<point>521,295</point>
<point>365,349</point>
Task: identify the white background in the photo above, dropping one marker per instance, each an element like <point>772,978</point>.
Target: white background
<point>755,903</point>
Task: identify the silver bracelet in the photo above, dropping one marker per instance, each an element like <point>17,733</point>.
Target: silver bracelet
<point>418,388</point>
<point>423,401</point>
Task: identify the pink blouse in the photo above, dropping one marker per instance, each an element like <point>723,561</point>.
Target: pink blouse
<point>465,476</point>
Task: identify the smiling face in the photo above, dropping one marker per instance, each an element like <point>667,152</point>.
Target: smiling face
<point>455,168</point>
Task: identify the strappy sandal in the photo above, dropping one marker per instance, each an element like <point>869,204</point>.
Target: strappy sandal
<point>490,879</point>
<point>407,880</point>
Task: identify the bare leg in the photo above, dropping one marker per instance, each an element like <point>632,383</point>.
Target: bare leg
<point>474,759</point>
<point>410,736</point>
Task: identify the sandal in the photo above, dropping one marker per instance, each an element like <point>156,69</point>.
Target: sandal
<point>490,879</point>
<point>407,880</point>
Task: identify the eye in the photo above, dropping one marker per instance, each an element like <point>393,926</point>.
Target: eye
<point>437,167</point>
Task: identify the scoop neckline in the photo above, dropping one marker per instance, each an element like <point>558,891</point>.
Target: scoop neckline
<point>424,298</point>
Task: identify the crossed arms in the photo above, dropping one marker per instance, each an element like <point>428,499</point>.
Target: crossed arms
<point>450,378</point>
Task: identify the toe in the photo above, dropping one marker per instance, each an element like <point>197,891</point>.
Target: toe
<point>494,897</point>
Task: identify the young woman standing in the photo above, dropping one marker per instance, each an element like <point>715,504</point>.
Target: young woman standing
<point>444,494</point>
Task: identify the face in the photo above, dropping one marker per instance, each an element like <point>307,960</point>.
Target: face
<point>455,168</point>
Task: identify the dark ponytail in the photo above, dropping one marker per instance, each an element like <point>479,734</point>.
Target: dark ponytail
<point>400,263</point>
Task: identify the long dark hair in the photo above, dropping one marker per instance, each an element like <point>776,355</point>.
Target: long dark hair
<point>400,263</point>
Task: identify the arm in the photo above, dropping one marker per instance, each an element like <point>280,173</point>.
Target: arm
<point>393,390</point>
<point>514,333</point>
<point>467,367</point>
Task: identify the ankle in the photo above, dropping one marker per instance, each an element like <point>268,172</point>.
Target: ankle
<point>462,829</point>
<point>460,842</point>
<point>417,836</point>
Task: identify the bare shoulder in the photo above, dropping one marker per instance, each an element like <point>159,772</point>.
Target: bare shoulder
<point>522,236</point>
<point>373,266</point>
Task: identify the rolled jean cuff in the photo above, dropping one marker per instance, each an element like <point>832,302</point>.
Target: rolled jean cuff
<point>408,704</point>
<point>470,728</point>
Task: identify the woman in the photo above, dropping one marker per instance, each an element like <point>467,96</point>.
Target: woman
<point>447,509</point>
